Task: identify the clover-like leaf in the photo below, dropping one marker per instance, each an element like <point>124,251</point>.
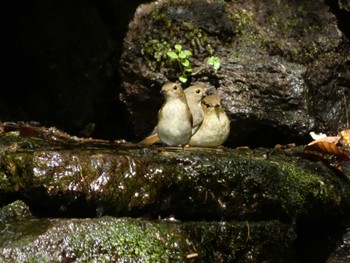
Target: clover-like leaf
<point>172,55</point>
<point>210,61</point>
<point>185,62</point>
<point>183,79</point>
<point>214,62</point>
<point>187,52</point>
<point>216,65</point>
<point>182,55</point>
<point>178,47</point>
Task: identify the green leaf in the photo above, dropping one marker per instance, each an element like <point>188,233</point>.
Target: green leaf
<point>188,52</point>
<point>210,61</point>
<point>216,65</point>
<point>178,47</point>
<point>185,62</point>
<point>182,55</point>
<point>215,62</point>
<point>172,55</point>
<point>183,79</point>
<point>188,69</point>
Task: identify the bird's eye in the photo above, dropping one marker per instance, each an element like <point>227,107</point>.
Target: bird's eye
<point>198,91</point>
<point>174,88</point>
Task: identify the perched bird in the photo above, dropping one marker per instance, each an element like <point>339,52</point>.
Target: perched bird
<point>215,127</point>
<point>174,118</point>
<point>194,96</point>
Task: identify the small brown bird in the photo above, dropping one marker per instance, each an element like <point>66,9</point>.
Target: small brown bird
<point>194,96</point>
<point>215,127</point>
<point>174,118</point>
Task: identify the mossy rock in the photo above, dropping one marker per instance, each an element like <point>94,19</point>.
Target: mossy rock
<point>195,184</point>
<point>110,239</point>
<point>221,205</point>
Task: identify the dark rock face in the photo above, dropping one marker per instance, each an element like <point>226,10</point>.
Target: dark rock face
<point>60,64</point>
<point>283,65</point>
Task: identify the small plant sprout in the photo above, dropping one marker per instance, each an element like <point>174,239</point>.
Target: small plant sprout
<point>214,62</point>
<point>181,56</point>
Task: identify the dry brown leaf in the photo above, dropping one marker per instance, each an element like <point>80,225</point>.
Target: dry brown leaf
<point>330,139</point>
<point>327,146</point>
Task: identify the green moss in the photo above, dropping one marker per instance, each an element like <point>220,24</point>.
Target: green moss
<point>168,32</point>
<point>12,141</point>
<point>311,52</point>
<point>15,211</point>
<point>304,187</point>
<point>279,31</point>
<point>15,171</point>
<point>242,19</point>
<point>127,240</point>
<point>154,50</point>
<point>295,187</point>
<point>307,185</point>
<point>109,239</point>
<point>160,16</point>
<point>197,38</point>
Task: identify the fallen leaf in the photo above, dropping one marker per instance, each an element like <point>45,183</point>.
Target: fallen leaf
<point>328,146</point>
<point>330,139</point>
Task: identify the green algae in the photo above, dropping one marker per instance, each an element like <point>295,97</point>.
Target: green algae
<point>108,239</point>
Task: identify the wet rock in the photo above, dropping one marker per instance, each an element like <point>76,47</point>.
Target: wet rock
<point>216,204</point>
<point>16,211</point>
<point>90,179</point>
<point>283,65</point>
<point>110,239</point>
